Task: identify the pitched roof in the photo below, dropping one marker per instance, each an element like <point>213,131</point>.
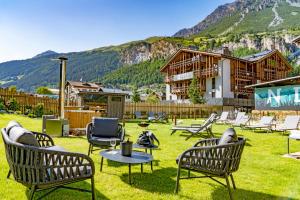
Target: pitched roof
<point>296,40</point>
<point>284,81</point>
<point>258,56</point>
<point>83,84</point>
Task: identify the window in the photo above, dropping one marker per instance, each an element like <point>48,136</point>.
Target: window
<point>119,99</point>
<point>213,83</point>
<point>213,94</point>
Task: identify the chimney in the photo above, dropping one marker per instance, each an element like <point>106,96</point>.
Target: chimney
<point>226,51</point>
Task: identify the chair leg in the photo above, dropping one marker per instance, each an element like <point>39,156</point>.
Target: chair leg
<point>93,188</point>
<point>232,180</point>
<point>89,150</point>
<point>31,192</point>
<point>8,174</point>
<point>177,181</point>
<point>228,187</point>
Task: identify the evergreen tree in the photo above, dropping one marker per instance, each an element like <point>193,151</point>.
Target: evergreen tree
<point>43,90</point>
<point>135,96</point>
<point>194,92</point>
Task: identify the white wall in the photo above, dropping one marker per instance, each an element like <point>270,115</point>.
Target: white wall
<point>222,83</point>
<point>169,95</point>
<point>227,79</point>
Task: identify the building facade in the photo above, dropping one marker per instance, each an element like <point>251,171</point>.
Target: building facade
<point>221,77</point>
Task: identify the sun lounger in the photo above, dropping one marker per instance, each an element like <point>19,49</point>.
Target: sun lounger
<point>237,118</point>
<point>266,122</point>
<point>194,130</point>
<point>290,123</point>
<point>223,118</point>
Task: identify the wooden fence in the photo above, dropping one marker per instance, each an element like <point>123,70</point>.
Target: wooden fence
<point>26,100</point>
<point>171,109</point>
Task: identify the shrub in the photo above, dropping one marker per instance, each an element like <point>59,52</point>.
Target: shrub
<point>28,109</point>
<point>18,112</point>
<point>31,115</point>
<point>39,110</point>
<point>13,105</point>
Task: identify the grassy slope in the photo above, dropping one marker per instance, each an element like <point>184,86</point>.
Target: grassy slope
<point>263,173</point>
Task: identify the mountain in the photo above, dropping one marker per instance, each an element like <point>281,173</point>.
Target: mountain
<point>91,65</point>
<point>46,53</point>
<point>244,26</point>
<point>244,16</point>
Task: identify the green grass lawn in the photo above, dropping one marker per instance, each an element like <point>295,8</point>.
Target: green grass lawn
<point>263,173</point>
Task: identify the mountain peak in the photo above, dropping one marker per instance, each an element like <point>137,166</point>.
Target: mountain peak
<point>241,13</point>
<point>46,53</point>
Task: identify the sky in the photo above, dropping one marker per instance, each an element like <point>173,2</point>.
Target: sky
<point>29,27</point>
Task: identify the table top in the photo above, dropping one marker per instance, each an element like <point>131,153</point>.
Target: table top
<point>137,146</point>
<point>136,157</point>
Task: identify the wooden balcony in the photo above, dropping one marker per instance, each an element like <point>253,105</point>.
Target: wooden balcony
<point>209,72</point>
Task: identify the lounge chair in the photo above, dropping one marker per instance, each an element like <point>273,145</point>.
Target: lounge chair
<point>151,116</point>
<point>290,123</point>
<point>213,157</point>
<point>242,121</point>
<point>239,115</point>
<point>295,135</point>
<point>223,118</point>
<point>138,115</point>
<point>162,116</point>
<point>36,163</point>
<point>266,122</point>
<point>101,131</point>
<point>195,129</point>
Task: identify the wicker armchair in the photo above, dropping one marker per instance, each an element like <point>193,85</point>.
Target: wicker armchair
<point>40,168</point>
<point>212,160</point>
<point>102,130</point>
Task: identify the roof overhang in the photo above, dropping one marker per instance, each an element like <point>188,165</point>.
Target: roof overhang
<point>285,81</point>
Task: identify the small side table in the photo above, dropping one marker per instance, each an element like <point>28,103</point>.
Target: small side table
<point>137,146</point>
<point>136,158</point>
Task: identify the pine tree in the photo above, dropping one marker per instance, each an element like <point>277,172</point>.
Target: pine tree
<point>194,93</point>
<point>135,96</point>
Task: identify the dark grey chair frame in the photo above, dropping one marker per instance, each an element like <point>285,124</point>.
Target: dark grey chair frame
<point>212,160</point>
<point>40,168</point>
<point>93,143</point>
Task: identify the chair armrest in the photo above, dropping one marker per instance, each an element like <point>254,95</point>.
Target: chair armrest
<point>121,132</point>
<point>43,139</point>
<point>211,158</point>
<point>58,165</point>
<point>207,142</point>
<point>88,130</point>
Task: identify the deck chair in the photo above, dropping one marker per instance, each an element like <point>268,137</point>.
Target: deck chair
<point>241,122</point>
<point>290,123</point>
<point>237,118</point>
<point>295,135</point>
<point>151,116</point>
<point>162,116</point>
<point>205,127</point>
<point>138,115</point>
<point>266,122</point>
<point>223,118</point>
<point>193,126</point>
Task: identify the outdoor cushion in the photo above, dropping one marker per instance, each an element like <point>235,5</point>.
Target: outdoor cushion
<point>23,136</point>
<point>105,127</point>
<point>12,124</point>
<point>228,136</point>
<point>104,141</point>
<point>55,148</point>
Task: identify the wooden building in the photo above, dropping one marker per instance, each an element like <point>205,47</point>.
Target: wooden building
<point>94,97</point>
<point>220,76</point>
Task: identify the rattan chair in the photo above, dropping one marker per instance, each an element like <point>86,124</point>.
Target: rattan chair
<point>103,130</point>
<point>40,168</point>
<point>212,160</point>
